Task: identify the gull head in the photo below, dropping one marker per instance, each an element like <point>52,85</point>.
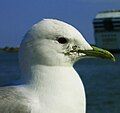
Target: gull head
<point>55,43</point>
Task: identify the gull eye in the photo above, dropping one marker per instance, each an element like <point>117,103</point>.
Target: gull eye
<point>62,40</point>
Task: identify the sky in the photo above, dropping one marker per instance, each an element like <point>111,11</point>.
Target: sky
<point>17,16</point>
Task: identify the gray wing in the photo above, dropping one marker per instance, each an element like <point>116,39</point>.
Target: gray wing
<point>13,101</point>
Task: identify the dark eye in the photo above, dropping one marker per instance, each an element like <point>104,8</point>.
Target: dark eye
<point>62,40</point>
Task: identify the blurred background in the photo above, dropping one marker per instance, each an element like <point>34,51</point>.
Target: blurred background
<point>99,23</point>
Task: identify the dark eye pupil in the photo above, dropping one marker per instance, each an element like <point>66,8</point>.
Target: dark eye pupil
<point>62,40</point>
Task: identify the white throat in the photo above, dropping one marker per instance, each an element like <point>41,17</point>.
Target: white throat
<point>58,86</point>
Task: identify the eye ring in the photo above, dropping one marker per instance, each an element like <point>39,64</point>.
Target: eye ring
<point>62,40</point>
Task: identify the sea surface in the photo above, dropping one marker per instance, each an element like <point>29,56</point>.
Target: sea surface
<point>101,79</point>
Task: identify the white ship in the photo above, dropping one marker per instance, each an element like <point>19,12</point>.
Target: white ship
<point>107,30</point>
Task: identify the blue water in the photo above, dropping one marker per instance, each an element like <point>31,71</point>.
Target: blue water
<point>101,79</point>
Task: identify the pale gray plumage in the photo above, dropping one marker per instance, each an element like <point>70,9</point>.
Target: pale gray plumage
<point>13,101</point>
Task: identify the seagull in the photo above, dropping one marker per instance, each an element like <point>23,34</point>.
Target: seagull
<point>46,56</point>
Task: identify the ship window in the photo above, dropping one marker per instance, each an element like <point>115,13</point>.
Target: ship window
<point>108,25</point>
<point>109,40</point>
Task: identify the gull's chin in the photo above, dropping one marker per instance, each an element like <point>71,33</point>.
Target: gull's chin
<point>75,56</point>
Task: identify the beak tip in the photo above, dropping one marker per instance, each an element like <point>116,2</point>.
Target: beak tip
<point>113,58</point>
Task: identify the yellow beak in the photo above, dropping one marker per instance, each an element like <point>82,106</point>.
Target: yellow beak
<point>98,52</point>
